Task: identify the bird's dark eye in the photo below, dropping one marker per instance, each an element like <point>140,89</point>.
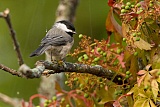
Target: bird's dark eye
<point>70,33</point>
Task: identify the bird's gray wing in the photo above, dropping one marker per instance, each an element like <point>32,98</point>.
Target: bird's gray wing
<point>56,38</point>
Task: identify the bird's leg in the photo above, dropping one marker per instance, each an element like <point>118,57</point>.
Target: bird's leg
<point>51,56</point>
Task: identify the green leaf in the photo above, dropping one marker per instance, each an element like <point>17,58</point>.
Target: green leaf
<point>149,20</point>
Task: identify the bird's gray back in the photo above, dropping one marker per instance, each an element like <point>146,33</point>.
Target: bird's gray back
<point>56,37</point>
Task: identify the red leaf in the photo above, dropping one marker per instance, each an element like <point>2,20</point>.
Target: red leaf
<point>120,58</point>
<point>143,4</point>
<point>108,39</point>
<point>117,104</point>
<point>111,24</point>
<point>23,103</point>
<point>117,27</point>
<point>133,14</point>
<point>111,2</point>
<point>35,96</point>
<point>130,15</point>
<point>139,80</point>
<point>141,72</point>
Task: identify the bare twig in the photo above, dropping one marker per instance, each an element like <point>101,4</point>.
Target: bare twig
<point>11,71</point>
<point>11,101</point>
<point>6,16</point>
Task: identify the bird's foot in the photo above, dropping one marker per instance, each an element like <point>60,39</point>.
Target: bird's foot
<point>53,61</point>
<point>46,73</point>
<point>62,63</point>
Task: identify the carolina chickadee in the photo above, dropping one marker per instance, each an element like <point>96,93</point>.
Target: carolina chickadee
<point>57,42</point>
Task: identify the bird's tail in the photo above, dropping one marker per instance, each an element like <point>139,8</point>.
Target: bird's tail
<point>39,51</point>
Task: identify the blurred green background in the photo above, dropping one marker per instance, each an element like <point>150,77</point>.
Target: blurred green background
<point>31,19</point>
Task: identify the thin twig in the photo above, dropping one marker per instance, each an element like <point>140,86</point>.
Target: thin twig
<point>6,16</point>
<point>11,71</point>
<point>14,102</point>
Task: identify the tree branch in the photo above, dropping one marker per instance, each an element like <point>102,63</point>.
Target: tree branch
<point>6,16</point>
<point>46,68</point>
<point>66,10</point>
<point>78,68</point>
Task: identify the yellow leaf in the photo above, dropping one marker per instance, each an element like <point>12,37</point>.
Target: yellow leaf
<point>106,95</point>
<point>147,80</point>
<point>145,103</point>
<point>152,104</point>
<point>125,29</point>
<point>135,88</point>
<point>158,79</point>
<point>142,95</point>
<point>141,44</point>
<point>142,103</point>
<point>154,71</point>
<point>130,101</point>
<point>155,89</point>
<point>158,99</point>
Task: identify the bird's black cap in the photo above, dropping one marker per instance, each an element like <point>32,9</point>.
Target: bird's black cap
<point>68,24</point>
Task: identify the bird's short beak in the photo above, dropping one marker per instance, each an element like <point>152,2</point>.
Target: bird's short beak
<point>74,32</point>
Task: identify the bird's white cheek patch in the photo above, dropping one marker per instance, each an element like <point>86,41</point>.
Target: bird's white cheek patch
<point>63,27</point>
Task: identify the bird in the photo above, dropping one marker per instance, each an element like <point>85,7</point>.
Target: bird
<point>57,42</point>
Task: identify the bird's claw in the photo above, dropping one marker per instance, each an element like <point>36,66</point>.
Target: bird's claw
<point>46,73</point>
<point>54,61</point>
<point>61,63</point>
